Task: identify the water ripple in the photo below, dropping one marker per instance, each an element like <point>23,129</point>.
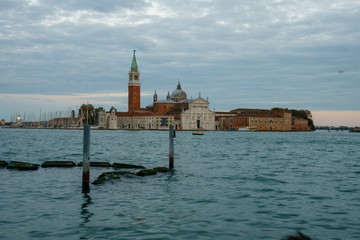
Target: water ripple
<point>226,185</point>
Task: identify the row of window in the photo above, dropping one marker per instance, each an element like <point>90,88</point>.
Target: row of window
<point>270,121</point>
<point>236,120</point>
<point>162,123</point>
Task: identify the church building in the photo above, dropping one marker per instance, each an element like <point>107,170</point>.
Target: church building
<point>192,114</point>
<point>176,109</point>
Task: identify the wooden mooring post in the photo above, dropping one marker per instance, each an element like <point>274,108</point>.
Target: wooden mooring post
<point>86,160</point>
<point>171,146</point>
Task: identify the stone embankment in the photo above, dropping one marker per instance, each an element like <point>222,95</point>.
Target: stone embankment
<point>106,176</point>
<point>62,164</point>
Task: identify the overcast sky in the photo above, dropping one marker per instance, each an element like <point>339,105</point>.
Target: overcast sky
<point>56,55</point>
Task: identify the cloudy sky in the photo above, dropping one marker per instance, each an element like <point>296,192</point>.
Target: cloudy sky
<point>56,55</point>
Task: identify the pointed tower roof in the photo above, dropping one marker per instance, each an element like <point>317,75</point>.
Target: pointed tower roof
<point>134,65</point>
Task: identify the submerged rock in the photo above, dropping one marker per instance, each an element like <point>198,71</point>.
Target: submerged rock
<point>3,164</point>
<point>96,164</point>
<point>58,164</point>
<point>146,172</point>
<point>106,176</point>
<point>124,165</point>
<point>149,172</point>
<point>22,166</point>
<point>161,169</point>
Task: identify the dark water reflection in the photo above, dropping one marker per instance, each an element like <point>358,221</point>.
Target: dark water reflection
<point>85,213</point>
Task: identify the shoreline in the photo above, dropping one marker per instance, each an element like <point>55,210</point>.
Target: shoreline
<point>99,128</point>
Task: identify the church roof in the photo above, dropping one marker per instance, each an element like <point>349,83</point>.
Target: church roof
<point>165,101</point>
<point>178,92</point>
<point>256,112</point>
<point>259,114</point>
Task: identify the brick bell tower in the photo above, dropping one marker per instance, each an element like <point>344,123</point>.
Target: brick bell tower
<point>134,86</point>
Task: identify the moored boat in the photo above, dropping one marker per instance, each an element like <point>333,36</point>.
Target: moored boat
<point>197,133</point>
<point>253,129</point>
<point>354,130</point>
<point>244,129</point>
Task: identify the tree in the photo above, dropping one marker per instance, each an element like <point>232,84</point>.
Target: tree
<point>304,114</point>
<point>112,108</point>
<point>97,110</point>
<point>86,111</point>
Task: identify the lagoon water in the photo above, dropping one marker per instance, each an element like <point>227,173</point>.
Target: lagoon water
<point>226,185</point>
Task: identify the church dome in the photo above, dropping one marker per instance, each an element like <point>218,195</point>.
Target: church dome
<point>178,94</point>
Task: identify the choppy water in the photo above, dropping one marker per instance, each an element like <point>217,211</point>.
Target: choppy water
<point>226,185</point>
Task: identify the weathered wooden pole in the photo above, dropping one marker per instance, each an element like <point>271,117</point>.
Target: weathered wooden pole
<point>171,147</point>
<point>86,160</point>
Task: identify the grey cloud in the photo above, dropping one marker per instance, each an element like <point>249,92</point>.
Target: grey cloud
<point>247,52</point>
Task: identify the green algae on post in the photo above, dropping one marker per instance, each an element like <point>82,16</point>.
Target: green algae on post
<point>86,160</point>
<point>171,146</point>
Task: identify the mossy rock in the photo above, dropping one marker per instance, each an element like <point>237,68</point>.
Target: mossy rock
<point>116,173</point>
<point>47,164</point>
<point>101,180</point>
<point>106,176</point>
<point>124,165</point>
<point>3,164</point>
<point>23,166</point>
<point>96,164</point>
<point>146,172</point>
<point>149,172</point>
<point>161,169</point>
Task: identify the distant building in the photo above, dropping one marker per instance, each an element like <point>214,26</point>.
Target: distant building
<point>300,124</point>
<point>192,114</point>
<point>257,119</point>
<point>261,120</point>
<point>2,122</point>
<point>176,109</point>
<point>18,121</point>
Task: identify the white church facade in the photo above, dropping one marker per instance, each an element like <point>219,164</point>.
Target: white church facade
<point>198,116</point>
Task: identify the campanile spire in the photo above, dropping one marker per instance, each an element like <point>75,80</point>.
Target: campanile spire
<point>134,86</point>
<point>134,67</point>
